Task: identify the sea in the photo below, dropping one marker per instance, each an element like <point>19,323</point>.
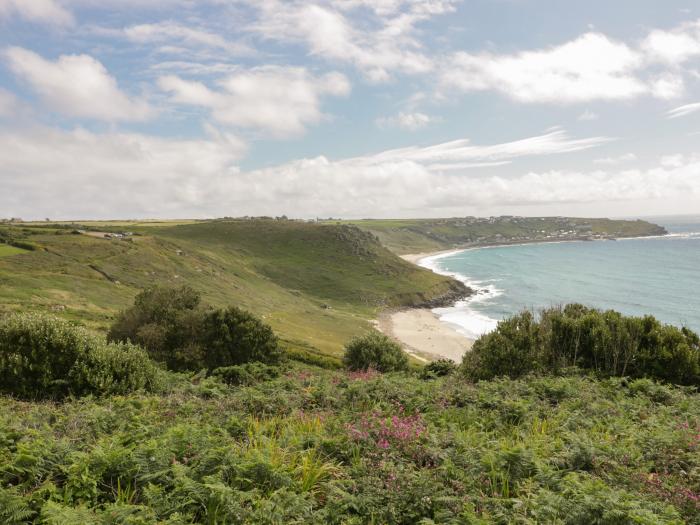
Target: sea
<point>637,276</point>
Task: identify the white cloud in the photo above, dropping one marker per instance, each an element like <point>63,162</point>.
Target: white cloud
<point>672,161</point>
<point>69,174</point>
<point>460,151</point>
<point>77,173</point>
<point>612,161</point>
<point>378,39</point>
<point>141,5</point>
<point>675,46</point>
<point>404,188</point>
<point>592,67</point>
<point>43,11</point>
<point>682,111</point>
<point>76,85</point>
<point>668,86</point>
<point>409,121</point>
<point>278,100</point>
<point>171,31</point>
<point>588,116</point>
<point>8,103</point>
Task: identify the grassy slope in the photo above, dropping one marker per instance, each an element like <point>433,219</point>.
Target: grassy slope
<point>289,273</point>
<point>7,250</point>
<point>329,447</point>
<point>425,235</point>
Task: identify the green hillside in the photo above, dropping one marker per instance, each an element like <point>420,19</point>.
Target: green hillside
<point>317,285</point>
<point>425,235</point>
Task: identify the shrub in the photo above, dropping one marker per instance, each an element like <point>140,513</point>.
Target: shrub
<point>377,351</point>
<point>166,321</point>
<point>246,374</point>
<point>114,369</point>
<point>177,330</point>
<point>24,245</point>
<point>45,357</point>
<point>608,343</point>
<point>439,368</point>
<point>233,336</point>
<point>510,350</point>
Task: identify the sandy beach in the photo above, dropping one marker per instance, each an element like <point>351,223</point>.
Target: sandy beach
<point>420,331</point>
<point>424,335</point>
<point>416,257</point>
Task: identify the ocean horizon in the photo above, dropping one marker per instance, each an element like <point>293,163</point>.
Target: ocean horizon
<point>635,276</point>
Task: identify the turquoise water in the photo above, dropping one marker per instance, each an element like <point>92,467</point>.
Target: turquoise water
<point>658,276</point>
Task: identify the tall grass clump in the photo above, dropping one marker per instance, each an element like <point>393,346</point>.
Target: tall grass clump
<point>605,342</point>
<point>42,356</point>
<point>375,351</point>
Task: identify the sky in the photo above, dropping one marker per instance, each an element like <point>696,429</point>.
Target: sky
<point>348,108</point>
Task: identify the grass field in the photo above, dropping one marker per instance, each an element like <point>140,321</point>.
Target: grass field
<point>6,250</point>
<point>317,285</point>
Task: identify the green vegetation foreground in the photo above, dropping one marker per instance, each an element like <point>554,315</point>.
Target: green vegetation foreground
<point>276,442</point>
<point>319,446</point>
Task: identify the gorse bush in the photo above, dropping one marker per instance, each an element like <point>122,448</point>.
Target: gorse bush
<point>606,342</point>
<point>45,357</point>
<point>177,330</point>
<point>375,351</point>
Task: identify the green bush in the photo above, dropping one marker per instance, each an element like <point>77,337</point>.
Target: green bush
<point>114,369</point>
<point>177,330</point>
<point>233,336</point>
<point>246,374</point>
<point>166,322</point>
<point>375,351</point>
<point>439,368</point>
<point>607,343</point>
<point>45,357</point>
<point>24,245</point>
<point>510,350</point>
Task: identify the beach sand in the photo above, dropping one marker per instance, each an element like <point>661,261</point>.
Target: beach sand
<point>423,335</point>
<point>416,257</point>
<point>420,331</point>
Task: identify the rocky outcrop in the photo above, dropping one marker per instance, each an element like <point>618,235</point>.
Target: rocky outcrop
<point>458,291</point>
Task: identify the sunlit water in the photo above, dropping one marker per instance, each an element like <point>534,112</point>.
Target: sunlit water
<point>658,276</point>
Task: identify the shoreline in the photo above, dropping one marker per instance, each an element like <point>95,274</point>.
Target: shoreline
<point>422,332</point>
<point>423,335</point>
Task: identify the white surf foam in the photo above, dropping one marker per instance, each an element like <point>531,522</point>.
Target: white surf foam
<point>462,316</point>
